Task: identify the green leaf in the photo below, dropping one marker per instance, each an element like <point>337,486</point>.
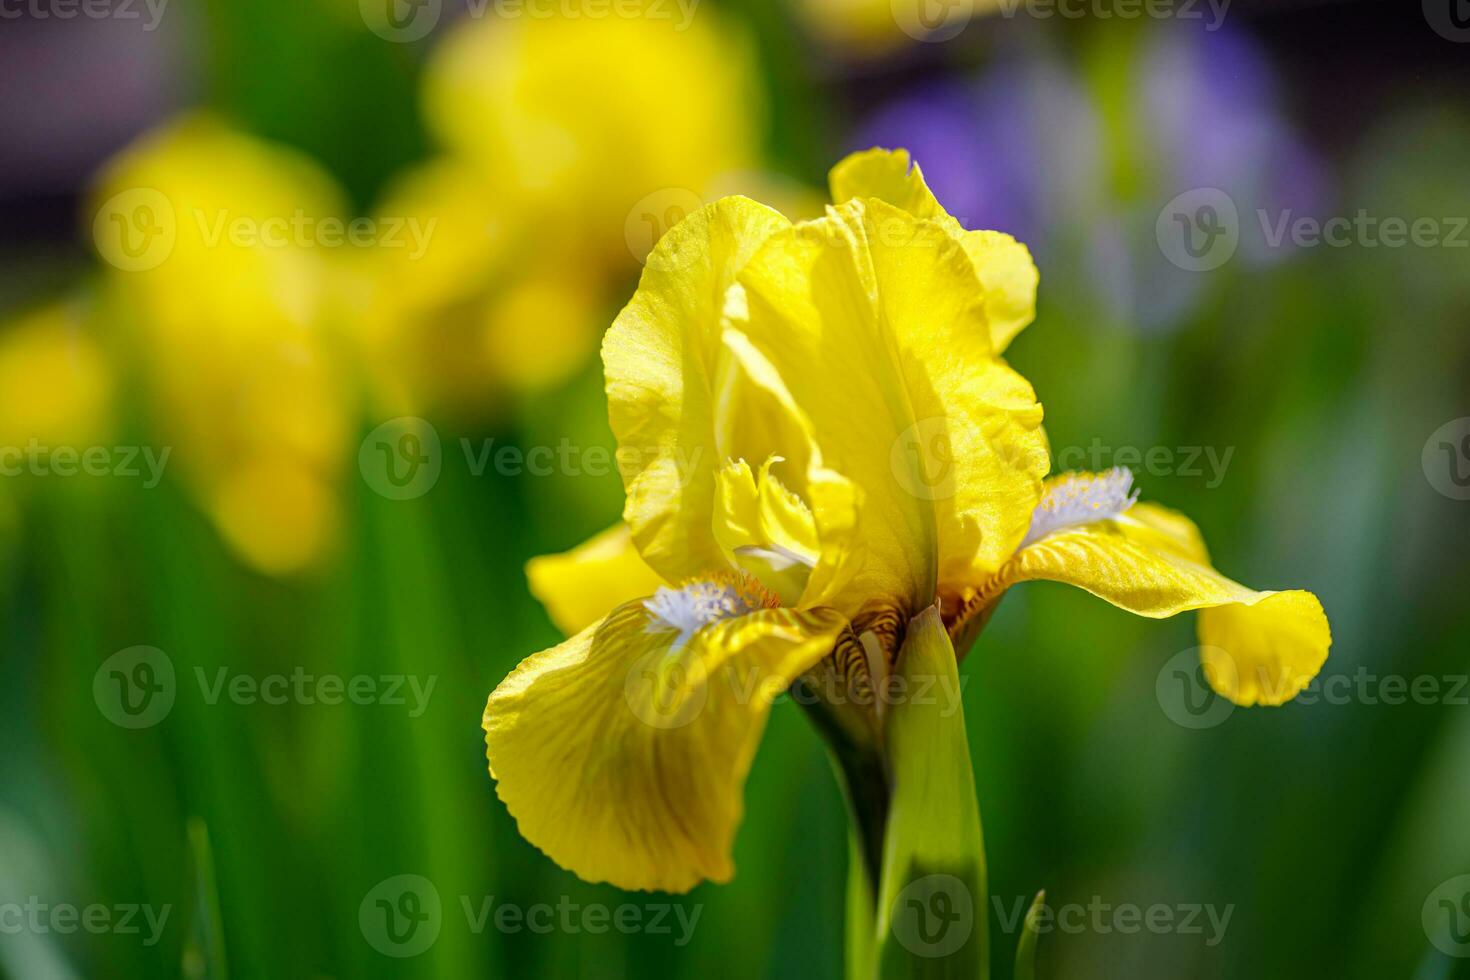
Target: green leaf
<point>204,946</point>
<point>931,913</point>
<point>1026,948</point>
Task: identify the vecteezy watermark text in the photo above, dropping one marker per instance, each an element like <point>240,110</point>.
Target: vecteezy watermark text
<point>1184,461</point>
<point>137,688</point>
<point>1102,917</point>
<point>64,918</point>
<point>138,229</point>
<point>943,20</point>
<point>1201,230</point>
<point>402,916</point>
<point>152,10</point>
<point>405,21</point>
<point>128,462</point>
<point>403,458</point>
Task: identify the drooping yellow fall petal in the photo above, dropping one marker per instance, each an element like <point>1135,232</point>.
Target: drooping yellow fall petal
<point>579,586</point>
<point>1004,265</point>
<point>1257,647</point>
<point>622,753</point>
<point>875,320</point>
<point>662,356</point>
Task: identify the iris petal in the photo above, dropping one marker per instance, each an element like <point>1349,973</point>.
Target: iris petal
<point>1257,647</point>
<point>622,753</point>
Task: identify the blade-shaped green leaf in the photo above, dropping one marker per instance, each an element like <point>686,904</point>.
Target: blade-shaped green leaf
<point>1030,933</point>
<point>931,914</point>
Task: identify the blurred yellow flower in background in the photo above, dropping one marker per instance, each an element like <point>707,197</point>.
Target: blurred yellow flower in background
<point>230,322</point>
<point>552,158</point>
<point>580,118</point>
<point>55,383</point>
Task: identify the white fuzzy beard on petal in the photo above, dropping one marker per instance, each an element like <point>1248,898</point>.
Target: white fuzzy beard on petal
<point>1082,499</point>
<point>693,606</point>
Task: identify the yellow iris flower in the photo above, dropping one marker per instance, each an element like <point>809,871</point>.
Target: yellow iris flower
<point>544,132</point>
<point>226,295</point>
<point>819,440</point>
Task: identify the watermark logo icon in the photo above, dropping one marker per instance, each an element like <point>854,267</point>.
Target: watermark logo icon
<point>1446,917</point>
<point>135,230</point>
<point>659,691</point>
<point>922,460</point>
<point>1199,230</point>
<point>136,687</point>
<point>401,916</point>
<point>1450,19</point>
<point>401,21</point>
<point>401,459</point>
<point>1446,459</point>
<point>932,20</point>
<point>651,218</point>
<point>933,916</point>
<point>1184,690</point>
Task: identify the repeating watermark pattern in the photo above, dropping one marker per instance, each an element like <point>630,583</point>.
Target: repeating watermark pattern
<point>1194,462</point>
<point>1450,19</point>
<point>935,21</point>
<point>405,21</point>
<point>672,919</point>
<point>1446,917</point>
<point>137,230</point>
<point>933,916</point>
<point>1185,693</point>
<point>651,218</point>
<point>922,460</point>
<point>137,688</point>
<point>663,692</point>
<point>126,462</point>
<point>403,916</point>
<point>37,917</point>
<point>401,459</point>
<point>148,12</point>
<point>943,20</point>
<point>1201,229</point>
<point>1102,917</point>
<point>1189,700</point>
<point>1446,459</point>
<point>567,458</point>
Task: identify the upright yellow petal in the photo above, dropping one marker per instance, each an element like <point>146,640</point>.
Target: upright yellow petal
<point>579,586</point>
<point>622,753</point>
<point>662,356</point>
<point>875,320</point>
<point>1257,647</point>
<point>1004,265</point>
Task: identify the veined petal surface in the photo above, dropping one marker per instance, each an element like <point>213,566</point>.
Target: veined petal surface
<point>1257,647</point>
<point>875,321</point>
<point>662,357</point>
<point>622,752</point>
<point>1004,265</point>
